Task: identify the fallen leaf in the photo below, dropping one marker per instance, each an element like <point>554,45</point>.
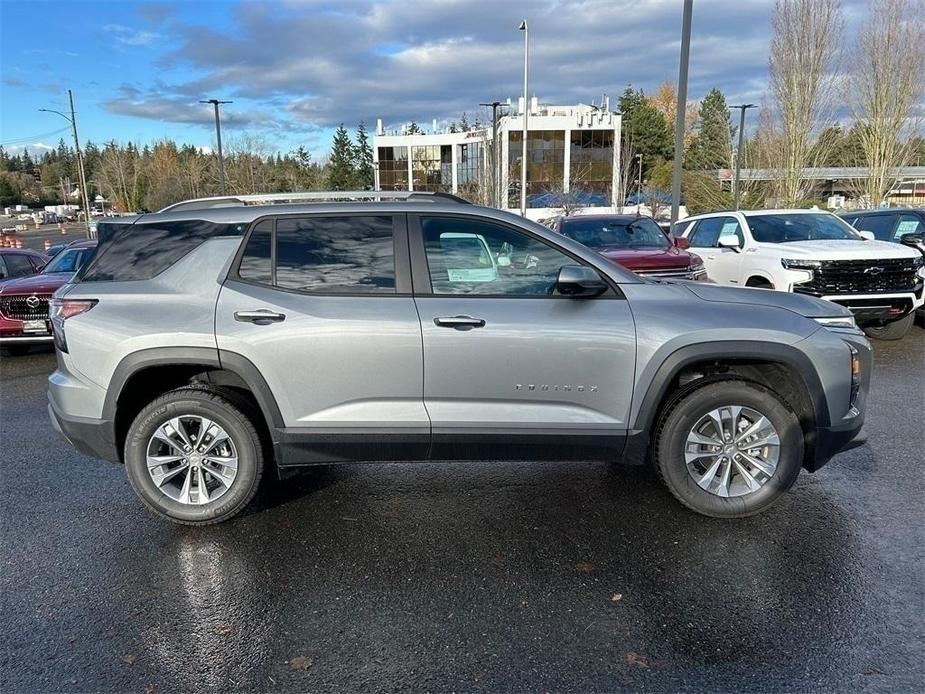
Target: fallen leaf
<point>300,662</point>
<point>223,629</point>
<point>616,597</point>
<point>150,689</point>
<point>636,659</point>
<point>524,603</point>
<point>585,566</point>
<point>129,658</point>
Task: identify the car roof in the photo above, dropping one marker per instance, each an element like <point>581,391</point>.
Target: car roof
<point>19,251</point>
<point>603,217</point>
<point>85,243</point>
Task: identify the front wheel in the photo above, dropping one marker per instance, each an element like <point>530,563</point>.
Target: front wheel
<point>193,457</point>
<point>896,330</point>
<point>729,449</point>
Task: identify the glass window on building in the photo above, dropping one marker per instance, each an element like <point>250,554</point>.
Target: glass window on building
<point>545,167</point>
<point>471,172</point>
<point>432,168</point>
<point>393,168</point>
<point>591,167</point>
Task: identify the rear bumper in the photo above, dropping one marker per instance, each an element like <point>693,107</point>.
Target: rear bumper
<point>27,340</point>
<point>93,437</point>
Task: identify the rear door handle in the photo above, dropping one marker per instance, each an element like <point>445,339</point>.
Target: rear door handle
<point>260,316</point>
<point>459,322</point>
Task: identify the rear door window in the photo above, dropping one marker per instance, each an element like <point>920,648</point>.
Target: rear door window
<point>907,224</point>
<point>880,225</point>
<point>322,255</point>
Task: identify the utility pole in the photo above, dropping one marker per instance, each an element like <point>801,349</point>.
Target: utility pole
<point>526,115</point>
<point>495,173</point>
<point>84,193</point>
<point>218,137</point>
<point>682,107</point>
<point>737,181</point>
<point>638,159</point>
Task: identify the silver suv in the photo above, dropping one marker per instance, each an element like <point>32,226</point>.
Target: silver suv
<point>220,339</point>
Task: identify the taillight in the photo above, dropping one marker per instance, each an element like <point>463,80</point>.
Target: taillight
<point>62,309</point>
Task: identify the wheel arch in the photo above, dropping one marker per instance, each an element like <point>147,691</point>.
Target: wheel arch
<point>782,368</point>
<point>144,375</point>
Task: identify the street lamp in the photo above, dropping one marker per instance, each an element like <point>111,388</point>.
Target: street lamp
<point>495,193</point>
<point>736,182</point>
<point>84,193</point>
<point>523,160</point>
<point>218,137</point>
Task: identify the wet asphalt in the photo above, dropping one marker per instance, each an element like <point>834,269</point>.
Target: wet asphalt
<point>466,577</point>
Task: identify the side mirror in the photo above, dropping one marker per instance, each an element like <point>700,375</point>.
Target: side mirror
<point>916,240</point>
<point>729,242</point>
<point>682,243</point>
<point>867,235</point>
<point>580,282</point>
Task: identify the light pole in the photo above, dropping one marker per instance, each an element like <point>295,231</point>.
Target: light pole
<point>495,193</point>
<point>218,137</point>
<point>682,108</point>
<point>736,182</point>
<point>638,159</point>
<point>84,193</point>
<point>526,114</point>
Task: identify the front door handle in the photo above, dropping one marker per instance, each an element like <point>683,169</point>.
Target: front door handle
<point>260,316</point>
<point>459,322</point>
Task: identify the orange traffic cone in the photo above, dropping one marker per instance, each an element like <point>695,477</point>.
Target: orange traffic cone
<point>63,230</point>
<point>18,243</point>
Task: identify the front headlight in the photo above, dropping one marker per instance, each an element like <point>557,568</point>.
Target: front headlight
<point>837,323</point>
<point>800,264</point>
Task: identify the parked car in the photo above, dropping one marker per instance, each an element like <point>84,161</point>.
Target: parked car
<point>19,262</point>
<point>54,250</point>
<point>635,242</point>
<point>24,319</point>
<point>817,254</point>
<point>218,339</point>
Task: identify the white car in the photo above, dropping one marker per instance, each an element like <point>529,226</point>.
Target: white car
<point>812,252</point>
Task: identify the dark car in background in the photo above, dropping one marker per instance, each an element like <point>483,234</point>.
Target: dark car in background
<point>19,262</point>
<point>635,242</point>
<point>904,225</point>
<point>24,319</point>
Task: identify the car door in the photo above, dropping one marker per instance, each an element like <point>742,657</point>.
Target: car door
<point>723,264</point>
<point>321,305</point>
<point>513,370</point>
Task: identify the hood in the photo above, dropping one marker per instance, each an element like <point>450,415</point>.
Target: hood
<point>35,284</point>
<point>808,306</point>
<point>647,258</point>
<point>842,250</point>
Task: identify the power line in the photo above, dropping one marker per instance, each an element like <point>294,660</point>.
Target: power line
<point>29,138</point>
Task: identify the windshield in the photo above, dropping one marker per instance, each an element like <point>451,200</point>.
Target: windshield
<point>70,260</point>
<point>615,233</point>
<point>784,228</point>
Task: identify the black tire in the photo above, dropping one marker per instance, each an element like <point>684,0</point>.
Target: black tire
<point>16,350</point>
<point>681,416</point>
<point>896,330</point>
<point>218,408</point>
<point>759,283</point>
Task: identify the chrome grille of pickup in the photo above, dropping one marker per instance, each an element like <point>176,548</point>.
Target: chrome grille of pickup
<point>861,277</point>
<point>24,307</point>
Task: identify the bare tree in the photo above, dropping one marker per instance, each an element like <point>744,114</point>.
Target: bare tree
<point>803,58</point>
<point>888,82</point>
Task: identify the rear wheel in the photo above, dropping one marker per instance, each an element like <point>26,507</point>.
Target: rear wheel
<point>729,449</point>
<point>194,457</point>
<point>896,330</point>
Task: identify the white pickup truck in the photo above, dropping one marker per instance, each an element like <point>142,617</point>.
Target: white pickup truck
<point>816,253</point>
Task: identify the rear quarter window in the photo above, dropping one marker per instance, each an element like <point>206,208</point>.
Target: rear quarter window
<point>141,251</point>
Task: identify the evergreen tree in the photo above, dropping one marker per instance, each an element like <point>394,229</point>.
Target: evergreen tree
<point>645,129</point>
<point>464,125</point>
<point>363,159</point>
<point>414,129</point>
<point>710,148</point>
<point>341,172</point>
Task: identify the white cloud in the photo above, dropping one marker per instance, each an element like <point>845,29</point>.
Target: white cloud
<point>127,36</point>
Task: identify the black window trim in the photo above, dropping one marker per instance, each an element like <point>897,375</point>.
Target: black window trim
<point>402,261</point>
<point>420,269</point>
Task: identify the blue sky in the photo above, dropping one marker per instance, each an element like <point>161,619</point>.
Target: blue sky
<point>296,68</point>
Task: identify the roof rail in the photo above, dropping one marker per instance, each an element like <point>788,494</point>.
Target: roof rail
<point>311,196</point>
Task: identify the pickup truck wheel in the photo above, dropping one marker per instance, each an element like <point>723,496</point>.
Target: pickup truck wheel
<point>193,457</point>
<point>729,449</point>
<point>896,330</point>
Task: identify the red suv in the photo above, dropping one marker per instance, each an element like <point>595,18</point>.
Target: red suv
<point>635,242</point>
<point>24,301</point>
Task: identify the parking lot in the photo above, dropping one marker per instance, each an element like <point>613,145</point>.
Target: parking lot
<point>513,577</point>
